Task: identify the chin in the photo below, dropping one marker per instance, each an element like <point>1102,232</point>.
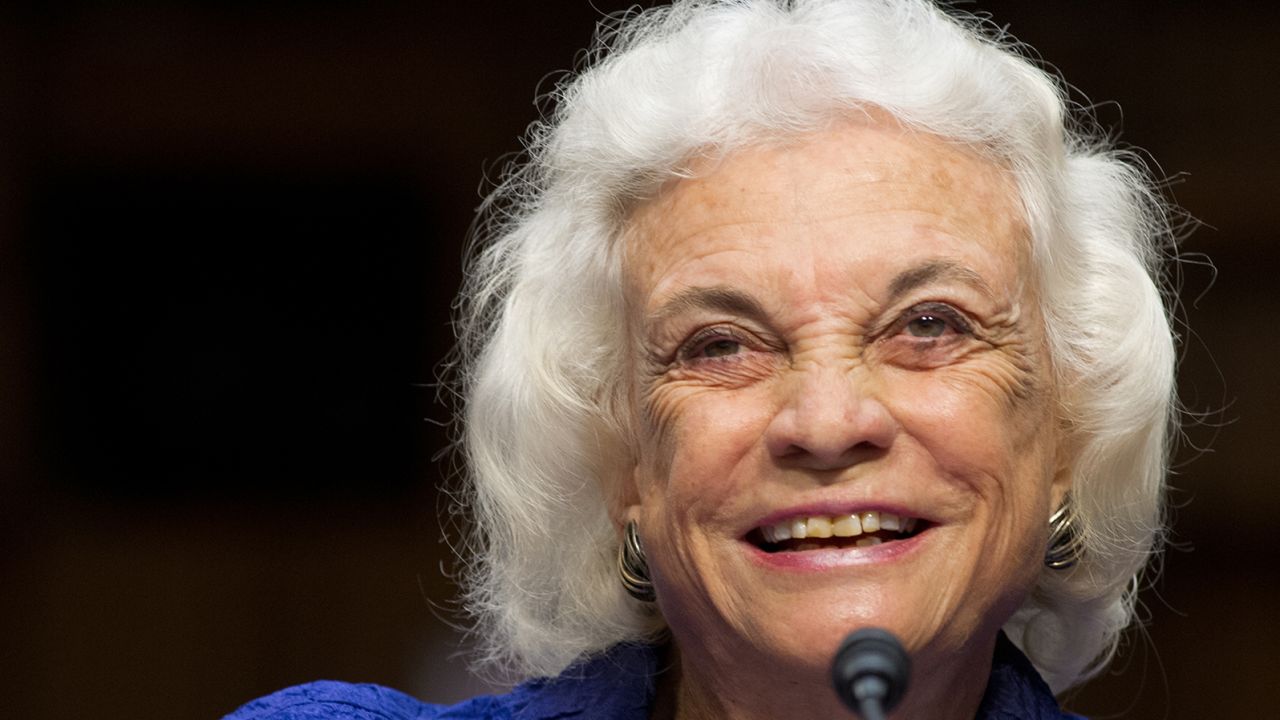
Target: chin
<point>804,603</point>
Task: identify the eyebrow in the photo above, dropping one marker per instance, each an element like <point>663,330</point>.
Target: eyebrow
<point>933,271</point>
<point>721,298</point>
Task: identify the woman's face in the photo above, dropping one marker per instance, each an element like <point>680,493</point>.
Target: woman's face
<point>841,327</point>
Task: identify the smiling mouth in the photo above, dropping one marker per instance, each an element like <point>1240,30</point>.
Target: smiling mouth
<point>820,532</point>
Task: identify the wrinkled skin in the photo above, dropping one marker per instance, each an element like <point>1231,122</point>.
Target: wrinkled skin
<point>844,320</point>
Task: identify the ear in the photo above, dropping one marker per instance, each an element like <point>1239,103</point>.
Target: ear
<point>1063,476</point>
<point>624,500</point>
<point>1059,488</point>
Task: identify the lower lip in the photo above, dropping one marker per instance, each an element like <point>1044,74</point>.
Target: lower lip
<point>828,558</point>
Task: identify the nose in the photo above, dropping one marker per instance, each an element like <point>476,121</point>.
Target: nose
<point>828,420</point>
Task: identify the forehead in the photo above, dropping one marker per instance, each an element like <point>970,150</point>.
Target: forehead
<point>868,191</point>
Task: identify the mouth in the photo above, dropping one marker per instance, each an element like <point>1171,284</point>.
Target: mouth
<point>820,532</point>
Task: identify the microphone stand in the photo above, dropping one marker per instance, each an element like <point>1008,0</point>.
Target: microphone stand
<point>870,672</point>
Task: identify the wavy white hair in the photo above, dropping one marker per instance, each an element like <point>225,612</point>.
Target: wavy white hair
<point>541,341</point>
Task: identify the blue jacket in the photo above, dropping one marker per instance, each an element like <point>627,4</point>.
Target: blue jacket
<point>616,686</point>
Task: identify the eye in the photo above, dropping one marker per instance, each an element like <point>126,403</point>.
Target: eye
<point>926,326</point>
<point>721,348</point>
<point>712,344</point>
<point>933,320</point>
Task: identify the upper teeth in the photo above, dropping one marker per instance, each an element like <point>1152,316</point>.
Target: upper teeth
<point>825,526</point>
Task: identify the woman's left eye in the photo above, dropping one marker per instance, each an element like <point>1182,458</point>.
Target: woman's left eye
<point>933,320</point>
<point>927,326</point>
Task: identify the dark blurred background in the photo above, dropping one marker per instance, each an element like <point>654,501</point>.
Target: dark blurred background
<point>229,239</point>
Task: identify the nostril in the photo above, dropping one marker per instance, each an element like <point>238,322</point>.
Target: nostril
<point>817,459</point>
<point>826,426</point>
<point>792,451</point>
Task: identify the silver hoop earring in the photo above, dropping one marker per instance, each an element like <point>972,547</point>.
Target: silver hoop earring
<point>1065,544</point>
<point>632,567</point>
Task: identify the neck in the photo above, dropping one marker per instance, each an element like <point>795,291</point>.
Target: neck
<point>949,688</point>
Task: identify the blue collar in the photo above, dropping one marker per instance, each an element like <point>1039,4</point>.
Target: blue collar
<point>1015,691</point>
<point>619,685</point>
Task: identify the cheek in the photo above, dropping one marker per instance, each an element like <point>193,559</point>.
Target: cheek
<point>695,437</point>
<point>669,396</point>
<point>997,453</point>
<point>979,430</point>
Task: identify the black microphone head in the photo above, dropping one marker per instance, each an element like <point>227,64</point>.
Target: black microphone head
<point>871,662</point>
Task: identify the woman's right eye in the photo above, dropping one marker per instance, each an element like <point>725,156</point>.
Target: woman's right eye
<point>712,344</point>
<point>721,348</point>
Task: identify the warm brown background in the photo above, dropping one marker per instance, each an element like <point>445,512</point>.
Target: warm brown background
<point>228,243</point>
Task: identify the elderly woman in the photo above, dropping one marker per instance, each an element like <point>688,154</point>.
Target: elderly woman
<point>804,317</point>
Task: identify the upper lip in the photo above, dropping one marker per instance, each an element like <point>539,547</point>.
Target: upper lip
<point>835,509</point>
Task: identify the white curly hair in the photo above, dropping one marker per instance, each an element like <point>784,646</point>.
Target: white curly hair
<point>544,428</point>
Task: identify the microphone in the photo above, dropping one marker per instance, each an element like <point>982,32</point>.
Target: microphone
<point>870,671</point>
